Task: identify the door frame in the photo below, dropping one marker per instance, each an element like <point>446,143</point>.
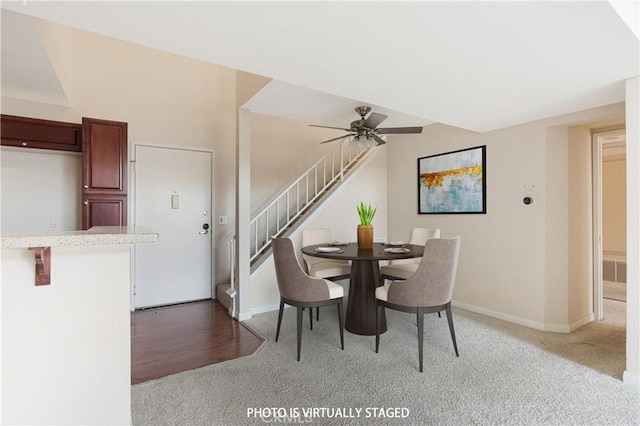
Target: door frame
<point>132,206</point>
<point>597,146</point>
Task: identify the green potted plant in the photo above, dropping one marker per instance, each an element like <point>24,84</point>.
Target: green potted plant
<point>365,230</point>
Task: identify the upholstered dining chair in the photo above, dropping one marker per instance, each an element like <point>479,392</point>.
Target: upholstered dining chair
<point>323,268</point>
<point>302,291</point>
<point>402,269</point>
<point>428,290</point>
<point>329,269</point>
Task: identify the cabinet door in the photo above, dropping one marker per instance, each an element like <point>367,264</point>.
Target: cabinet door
<point>43,134</point>
<point>104,210</point>
<point>104,156</point>
<point>104,171</point>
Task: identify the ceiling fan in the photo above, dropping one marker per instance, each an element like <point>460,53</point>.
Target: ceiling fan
<point>368,128</point>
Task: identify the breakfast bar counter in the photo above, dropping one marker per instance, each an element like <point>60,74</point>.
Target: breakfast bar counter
<point>66,341</point>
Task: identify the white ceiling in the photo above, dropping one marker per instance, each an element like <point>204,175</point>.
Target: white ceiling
<point>474,65</point>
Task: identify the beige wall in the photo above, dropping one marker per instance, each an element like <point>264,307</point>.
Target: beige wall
<point>515,261</point>
<point>580,231</point>
<point>614,206</point>
<point>166,99</point>
<point>281,150</point>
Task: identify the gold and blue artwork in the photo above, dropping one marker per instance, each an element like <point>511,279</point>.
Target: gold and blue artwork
<point>453,182</point>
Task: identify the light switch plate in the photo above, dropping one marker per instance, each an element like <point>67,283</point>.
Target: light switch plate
<point>175,201</point>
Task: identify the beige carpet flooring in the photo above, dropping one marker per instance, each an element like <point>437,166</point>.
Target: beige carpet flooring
<point>599,345</point>
<point>615,291</point>
<point>505,375</point>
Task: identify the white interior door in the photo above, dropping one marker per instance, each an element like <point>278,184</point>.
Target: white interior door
<point>173,197</point>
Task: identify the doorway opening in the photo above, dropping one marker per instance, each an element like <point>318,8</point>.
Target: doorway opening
<point>609,199</point>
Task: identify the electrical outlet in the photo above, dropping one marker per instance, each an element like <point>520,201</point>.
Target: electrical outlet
<point>54,222</point>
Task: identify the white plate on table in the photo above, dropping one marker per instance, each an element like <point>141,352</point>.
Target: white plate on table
<point>397,250</point>
<point>394,243</point>
<point>328,249</point>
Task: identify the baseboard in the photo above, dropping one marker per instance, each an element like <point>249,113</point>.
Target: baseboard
<point>266,308</point>
<point>258,310</point>
<point>243,316</point>
<point>631,379</point>
<point>579,323</point>
<point>556,328</point>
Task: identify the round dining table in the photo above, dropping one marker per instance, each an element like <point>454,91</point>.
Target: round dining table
<point>365,277</point>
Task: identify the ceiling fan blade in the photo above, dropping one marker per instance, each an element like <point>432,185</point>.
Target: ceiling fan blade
<point>399,130</point>
<point>378,139</point>
<point>339,137</point>
<point>329,127</point>
<point>374,120</point>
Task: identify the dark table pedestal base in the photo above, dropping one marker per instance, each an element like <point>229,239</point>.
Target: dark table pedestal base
<point>361,308</point>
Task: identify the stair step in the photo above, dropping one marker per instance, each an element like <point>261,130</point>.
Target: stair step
<point>222,296</point>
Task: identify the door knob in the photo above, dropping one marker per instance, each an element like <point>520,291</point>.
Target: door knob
<point>205,229</point>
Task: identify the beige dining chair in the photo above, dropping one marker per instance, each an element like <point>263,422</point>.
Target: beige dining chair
<point>323,268</point>
<point>302,291</point>
<point>428,290</point>
<point>402,269</point>
<point>329,269</point>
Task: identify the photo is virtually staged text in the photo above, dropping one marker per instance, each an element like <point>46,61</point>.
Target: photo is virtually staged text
<point>307,414</point>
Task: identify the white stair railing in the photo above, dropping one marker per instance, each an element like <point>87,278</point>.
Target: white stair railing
<point>297,197</point>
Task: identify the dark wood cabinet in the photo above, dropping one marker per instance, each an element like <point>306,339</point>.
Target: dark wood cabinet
<point>104,210</point>
<point>28,132</point>
<point>104,173</point>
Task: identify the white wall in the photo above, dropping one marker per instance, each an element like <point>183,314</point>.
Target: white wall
<point>66,347</point>
<point>632,106</point>
<point>368,183</point>
<point>39,185</point>
<point>514,261</point>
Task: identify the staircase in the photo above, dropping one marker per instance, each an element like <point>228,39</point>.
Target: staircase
<point>297,201</point>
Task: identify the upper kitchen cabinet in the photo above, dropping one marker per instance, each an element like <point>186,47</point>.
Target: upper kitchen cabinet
<point>104,172</point>
<point>28,132</point>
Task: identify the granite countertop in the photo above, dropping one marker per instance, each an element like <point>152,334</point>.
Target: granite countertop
<point>98,235</point>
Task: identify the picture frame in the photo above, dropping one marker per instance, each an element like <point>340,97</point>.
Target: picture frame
<point>453,182</point>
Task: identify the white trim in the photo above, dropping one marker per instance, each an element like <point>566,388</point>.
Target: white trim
<point>243,213</point>
<point>598,143</point>
<point>596,165</point>
<point>244,316</point>
<point>631,379</point>
<point>579,323</point>
<point>556,328</point>
<point>266,308</point>
<point>132,153</point>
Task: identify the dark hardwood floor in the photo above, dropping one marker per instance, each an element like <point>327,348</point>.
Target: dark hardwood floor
<point>178,338</point>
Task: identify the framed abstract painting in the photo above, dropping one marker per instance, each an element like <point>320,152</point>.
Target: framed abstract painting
<point>453,182</point>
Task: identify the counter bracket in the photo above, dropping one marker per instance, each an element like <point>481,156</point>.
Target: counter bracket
<point>43,264</point>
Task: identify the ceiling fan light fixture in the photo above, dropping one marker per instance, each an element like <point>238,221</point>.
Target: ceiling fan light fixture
<point>368,128</point>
